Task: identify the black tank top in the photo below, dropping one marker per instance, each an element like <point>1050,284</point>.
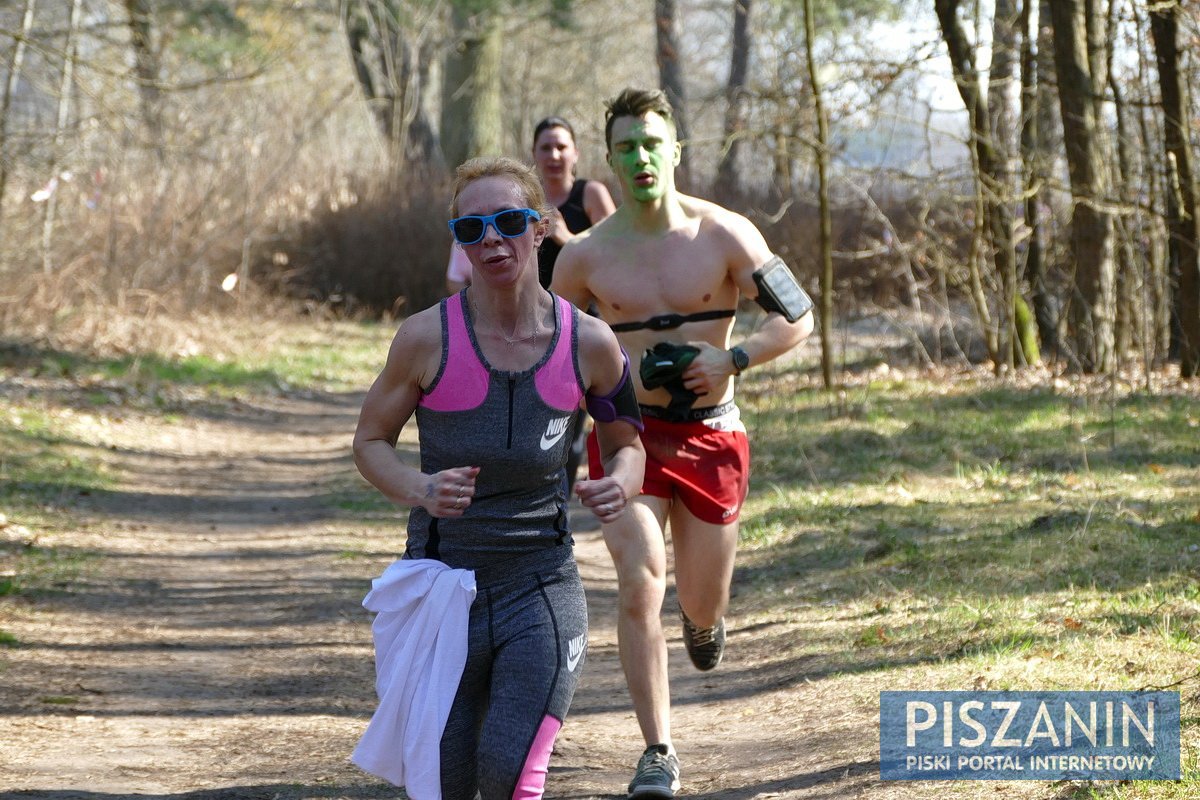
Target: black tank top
<point>575,215</point>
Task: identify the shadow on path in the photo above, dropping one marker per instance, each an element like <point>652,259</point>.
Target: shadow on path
<point>266,791</point>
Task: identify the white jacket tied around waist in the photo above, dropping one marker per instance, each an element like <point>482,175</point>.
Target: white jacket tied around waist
<point>420,633</point>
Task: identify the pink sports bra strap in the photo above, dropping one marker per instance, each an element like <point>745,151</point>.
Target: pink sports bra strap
<point>558,381</point>
<point>462,383</point>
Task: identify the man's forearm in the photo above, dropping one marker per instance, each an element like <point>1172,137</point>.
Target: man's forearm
<point>775,337</point>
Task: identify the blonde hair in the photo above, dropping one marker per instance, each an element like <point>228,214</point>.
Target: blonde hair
<point>518,172</point>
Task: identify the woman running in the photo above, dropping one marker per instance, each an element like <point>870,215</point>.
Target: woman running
<point>487,589</point>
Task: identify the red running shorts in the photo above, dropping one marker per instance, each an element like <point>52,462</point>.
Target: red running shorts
<point>706,464</point>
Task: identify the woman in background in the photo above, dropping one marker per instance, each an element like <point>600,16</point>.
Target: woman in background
<point>578,203</point>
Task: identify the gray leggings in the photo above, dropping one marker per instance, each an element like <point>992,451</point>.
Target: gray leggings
<point>525,650</point>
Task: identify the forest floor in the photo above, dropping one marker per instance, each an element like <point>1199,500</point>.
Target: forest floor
<point>217,649</point>
<point>196,632</point>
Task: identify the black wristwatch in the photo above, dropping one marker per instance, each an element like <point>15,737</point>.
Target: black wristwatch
<point>741,359</point>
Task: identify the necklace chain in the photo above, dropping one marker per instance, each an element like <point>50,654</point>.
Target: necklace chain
<point>510,341</point>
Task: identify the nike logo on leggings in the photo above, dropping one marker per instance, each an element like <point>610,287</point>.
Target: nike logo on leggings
<point>575,649</point>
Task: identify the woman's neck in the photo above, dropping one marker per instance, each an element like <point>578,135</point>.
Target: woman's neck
<point>558,189</point>
<point>511,313</point>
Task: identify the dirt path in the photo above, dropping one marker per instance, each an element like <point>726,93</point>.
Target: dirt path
<point>218,650</point>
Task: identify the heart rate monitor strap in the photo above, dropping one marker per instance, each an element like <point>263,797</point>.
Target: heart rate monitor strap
<point>664,322</point>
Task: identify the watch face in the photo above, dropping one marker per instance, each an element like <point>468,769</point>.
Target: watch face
<point>741,359</point>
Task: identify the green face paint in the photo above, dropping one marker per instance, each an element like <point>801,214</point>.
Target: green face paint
<point>643,156</point>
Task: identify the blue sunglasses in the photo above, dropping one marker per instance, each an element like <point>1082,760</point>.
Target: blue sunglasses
<point>509,223</point>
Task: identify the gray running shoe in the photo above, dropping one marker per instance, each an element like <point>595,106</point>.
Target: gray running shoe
<point>705,646</point>
<point>657,774</point>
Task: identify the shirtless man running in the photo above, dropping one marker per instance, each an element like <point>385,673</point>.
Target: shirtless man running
<point>666,272</point>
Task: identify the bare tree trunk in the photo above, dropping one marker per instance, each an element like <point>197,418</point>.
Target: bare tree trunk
<point>1035,173</point>
<point>147,68</point>
<point>826,224</point>
<point>997,219</point>
<point>395,88</point>
<point>670,77</point>
<point>1158,324</point>
<point>357,36</point>
<point>1092,308</point>
<point>1003,87</point>
<point>404,46</point>
<point>1181,196</point>
<point>64,109</point>
<point>1003,99</point>
<point>423,147</point>
<point>1050,131</point>
<point>471,94</point>
<point>784,179</point>
<point>1127,270</point>
<point>10,89</point>
<point>1049,307</point>
<point>727,184</point>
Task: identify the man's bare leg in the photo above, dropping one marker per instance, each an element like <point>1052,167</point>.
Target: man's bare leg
<point>639,552</point>
<point>703,570</point>
<point>704,555</point>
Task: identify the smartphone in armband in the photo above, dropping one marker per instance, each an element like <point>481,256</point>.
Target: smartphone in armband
<point>779,291</point>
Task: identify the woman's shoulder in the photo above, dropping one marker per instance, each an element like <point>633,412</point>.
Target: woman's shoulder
<point>592,188</point>
<point>423,328</point>
<point>596,339</point>
<point>601,359</point>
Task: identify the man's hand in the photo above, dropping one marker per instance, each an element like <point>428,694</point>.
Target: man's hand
<point>604,496</point>
<point>709,370</point>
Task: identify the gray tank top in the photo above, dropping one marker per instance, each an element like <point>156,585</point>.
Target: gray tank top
<point>515,426</point>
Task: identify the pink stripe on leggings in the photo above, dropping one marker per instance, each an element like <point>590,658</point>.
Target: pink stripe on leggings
<point>532,782</point>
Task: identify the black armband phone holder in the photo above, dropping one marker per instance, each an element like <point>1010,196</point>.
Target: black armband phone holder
<point>619,404</point>
<point>779,292</point>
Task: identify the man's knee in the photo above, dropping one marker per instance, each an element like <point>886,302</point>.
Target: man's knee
<point>640,593</point>
<point>641,574</point>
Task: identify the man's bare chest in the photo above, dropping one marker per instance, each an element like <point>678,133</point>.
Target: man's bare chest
<point>640,284</point>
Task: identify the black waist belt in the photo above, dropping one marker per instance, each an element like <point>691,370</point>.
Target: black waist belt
<point>532,562</point>
<point>688,415</point>
<point>667,321</point>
